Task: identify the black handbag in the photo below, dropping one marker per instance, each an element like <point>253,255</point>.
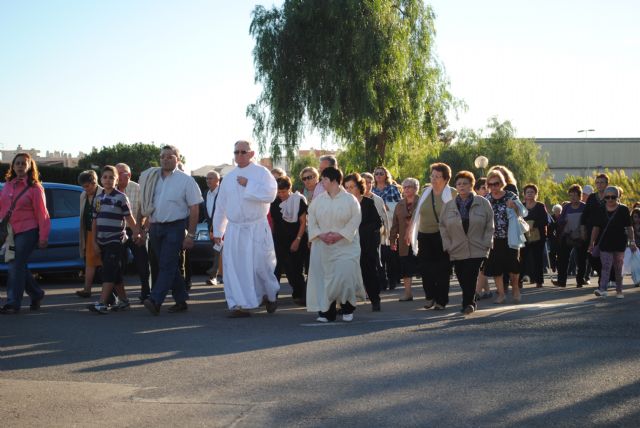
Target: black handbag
<point>4,223</point>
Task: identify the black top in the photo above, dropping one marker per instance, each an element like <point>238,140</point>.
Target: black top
<point>591,211</point>
<point>540,218</point>
<point>284,233</point>
<point>370,224</point>
<point>512,188</point>
<point>615,237</point>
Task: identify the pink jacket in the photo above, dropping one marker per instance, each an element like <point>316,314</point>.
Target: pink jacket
<point>30,211</point>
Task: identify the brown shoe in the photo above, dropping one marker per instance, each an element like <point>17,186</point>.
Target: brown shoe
<point>406,299</point>
<point>83,293</point>
<point>239,313</point>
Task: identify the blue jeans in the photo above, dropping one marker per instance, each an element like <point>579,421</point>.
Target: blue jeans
<point>19,278</point>
<point>166,241</point>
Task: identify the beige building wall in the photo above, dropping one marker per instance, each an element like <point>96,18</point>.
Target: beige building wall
<point>579,156</point>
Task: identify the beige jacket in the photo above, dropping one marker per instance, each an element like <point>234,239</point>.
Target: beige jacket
<point>83,200</point>
<point>477,242</point>
<point>399,227</point>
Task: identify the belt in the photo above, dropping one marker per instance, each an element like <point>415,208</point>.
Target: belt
<point>170,222</point>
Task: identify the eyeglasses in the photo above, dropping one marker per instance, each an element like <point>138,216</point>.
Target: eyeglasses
<point>307,177</point>
<point>379,173</point>
<point>610,198</point>
<point>494,183</point>
<point>240,152</point>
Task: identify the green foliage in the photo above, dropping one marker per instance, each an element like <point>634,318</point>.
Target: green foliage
<point>501,147</point>
<point>363,71</point>
<point>298,165</point>
<point>138,156</point>
<point>552,193</point>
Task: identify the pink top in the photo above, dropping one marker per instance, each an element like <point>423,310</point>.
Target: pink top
<point>30,211</point>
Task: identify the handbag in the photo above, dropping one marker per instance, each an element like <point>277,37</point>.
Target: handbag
<point>4,223</point>
<point>533,235</point>
<point>595,251</point>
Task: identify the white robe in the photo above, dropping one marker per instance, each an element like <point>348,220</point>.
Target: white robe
<point>334,270</point>
<point>248,258</point>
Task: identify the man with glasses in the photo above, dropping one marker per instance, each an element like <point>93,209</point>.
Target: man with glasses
<point>171,199</point>
<point>249,259</point>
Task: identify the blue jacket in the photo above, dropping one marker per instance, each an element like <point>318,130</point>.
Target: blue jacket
<point>516,238</point>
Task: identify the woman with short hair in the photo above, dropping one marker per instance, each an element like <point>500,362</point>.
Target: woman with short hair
<point>466,228</point>
<point>533,252</point>
<point>369,231</point>
<point>30,224</point>
<point>612,234</point>
<point>426,240</point>
<point>309,177</point>
<point>503,258</point>
<point>570,237</point>
<point>401,222</point>
<point>89,182</point>
<point>334,270</point>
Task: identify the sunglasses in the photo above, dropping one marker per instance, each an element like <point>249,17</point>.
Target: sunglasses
<point>307,177</point>
<point>240,152</point>
<point>379,173</point>
<point>495,183</point>
<point>610,198</point>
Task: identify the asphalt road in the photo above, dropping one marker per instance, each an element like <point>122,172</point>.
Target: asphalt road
<point>562,358</point>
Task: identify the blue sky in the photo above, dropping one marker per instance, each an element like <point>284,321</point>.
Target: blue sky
<point>79,74</point>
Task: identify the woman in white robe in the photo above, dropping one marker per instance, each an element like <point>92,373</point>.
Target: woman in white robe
<point>334,268</point>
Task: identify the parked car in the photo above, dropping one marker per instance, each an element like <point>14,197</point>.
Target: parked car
<point>62,254</point>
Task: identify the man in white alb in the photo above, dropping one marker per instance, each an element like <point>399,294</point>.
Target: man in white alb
<point>249,257</point>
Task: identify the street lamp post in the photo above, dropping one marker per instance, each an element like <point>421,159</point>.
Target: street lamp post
<point>481,162</point>
<point>584,152</point>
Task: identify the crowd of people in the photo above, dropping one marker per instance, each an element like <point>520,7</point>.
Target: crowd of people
<point>343,239</point>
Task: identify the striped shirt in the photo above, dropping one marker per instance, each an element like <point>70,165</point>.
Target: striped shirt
<point>110,211</point>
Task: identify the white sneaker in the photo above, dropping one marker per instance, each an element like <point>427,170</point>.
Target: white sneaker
<point>347,317</point>
<point>322,319</point>
<point>600,293</point>
<point>619,295</point>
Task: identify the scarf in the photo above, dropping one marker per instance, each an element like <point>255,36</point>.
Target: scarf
<point>291,207</point>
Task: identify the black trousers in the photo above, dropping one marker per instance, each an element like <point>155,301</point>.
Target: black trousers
<point>467,273</point>
<point>564,252</point>
<point>391,265</point>
<point>435,267</point>
<point>532,261</point>
<point>292,264</point>
<point>332,313</point>
<point>368,263</point>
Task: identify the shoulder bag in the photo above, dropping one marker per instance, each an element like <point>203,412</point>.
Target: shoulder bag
<point>4,223</point>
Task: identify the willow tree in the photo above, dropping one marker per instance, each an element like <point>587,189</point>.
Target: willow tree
<point>362,71</point>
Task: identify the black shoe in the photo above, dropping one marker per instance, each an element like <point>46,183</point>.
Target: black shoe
<point>188,286</point>
<point>375,307</point>
<point>142,298</point>
<point>557,284</point>
<point>151,306</point>
<point>35,304</point>
<point>9,310</point>
<point>178,307</point>
<point>271,306</point>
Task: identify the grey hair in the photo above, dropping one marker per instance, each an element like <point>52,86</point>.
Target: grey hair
<point>123,165</point>
<point>213,172</point>
<point>367,175</point>
<point>612,189</point>
<point>330,158</point>
<point>411,182</point>
<point>557,208</point>
<point>247,142</point>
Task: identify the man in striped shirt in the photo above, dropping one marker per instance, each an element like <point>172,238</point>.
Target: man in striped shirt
<point>111,214</point>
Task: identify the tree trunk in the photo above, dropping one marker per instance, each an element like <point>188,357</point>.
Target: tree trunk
<point>375,148</point>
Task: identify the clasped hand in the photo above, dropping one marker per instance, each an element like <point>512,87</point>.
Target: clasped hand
<point>330,238</point>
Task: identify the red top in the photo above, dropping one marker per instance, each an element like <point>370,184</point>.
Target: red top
<point>30,211</point>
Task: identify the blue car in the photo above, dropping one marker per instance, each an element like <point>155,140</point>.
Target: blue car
<point>62,254</point>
